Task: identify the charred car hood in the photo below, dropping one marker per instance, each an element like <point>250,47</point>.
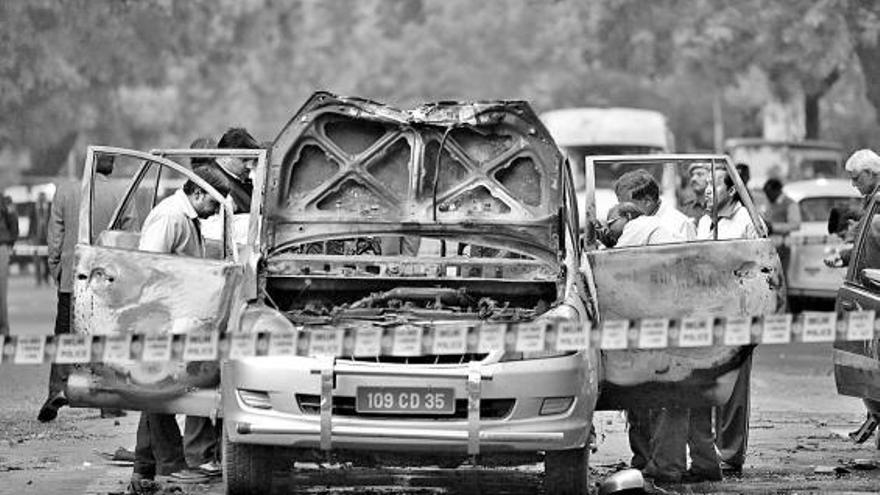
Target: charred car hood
<point>348,166</point>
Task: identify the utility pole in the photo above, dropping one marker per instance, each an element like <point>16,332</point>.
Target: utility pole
<point>717,122</point>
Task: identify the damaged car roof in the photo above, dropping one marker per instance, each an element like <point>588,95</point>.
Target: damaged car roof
<point>344,166</point>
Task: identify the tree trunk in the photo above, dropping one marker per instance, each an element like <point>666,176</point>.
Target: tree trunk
<point>869,56</point>
<point>811,116</point>
<point>867,48</point>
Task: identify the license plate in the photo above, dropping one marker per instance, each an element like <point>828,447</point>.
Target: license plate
<point>405,400</point>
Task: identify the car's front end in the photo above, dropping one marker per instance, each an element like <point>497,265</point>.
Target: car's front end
<point>525,405</point>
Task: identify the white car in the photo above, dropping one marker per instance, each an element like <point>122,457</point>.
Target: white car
<point>808,276</point>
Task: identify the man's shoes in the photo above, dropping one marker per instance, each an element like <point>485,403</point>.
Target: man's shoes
<point>184,476</point>
<point>700,476</point>
<point>211,469</point>
<point>865,431</point>
<point>730,470</point>
<point>112,413</point>
<point>49,410</point>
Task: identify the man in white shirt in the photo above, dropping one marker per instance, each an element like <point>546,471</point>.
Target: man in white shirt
<point>732,419</point>
<point>657,437</point>
<point>733,219</point>
<point>173,227</point>
<point>640,188</point>
<point>628,226</point>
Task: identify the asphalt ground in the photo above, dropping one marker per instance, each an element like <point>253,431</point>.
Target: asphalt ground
<point>798,436</point>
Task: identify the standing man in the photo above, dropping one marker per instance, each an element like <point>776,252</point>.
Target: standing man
<point>732,221</point>
<point>659,437</point>
<point>201,435</point>
<point>8,236</point>
<point>863,168</point>
<point>783,216</point>
<point>173,226</point>
<point>695,207</point>
<point>61,238</point>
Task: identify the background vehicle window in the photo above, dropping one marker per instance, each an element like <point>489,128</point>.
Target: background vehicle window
<point>816,209</point>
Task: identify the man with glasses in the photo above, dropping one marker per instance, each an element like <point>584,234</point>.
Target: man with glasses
<point>863,168</point>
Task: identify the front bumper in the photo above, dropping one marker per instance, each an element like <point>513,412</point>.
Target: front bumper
<point>521,430</point>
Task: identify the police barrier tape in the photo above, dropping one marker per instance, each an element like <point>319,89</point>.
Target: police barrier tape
<point>410,340</point>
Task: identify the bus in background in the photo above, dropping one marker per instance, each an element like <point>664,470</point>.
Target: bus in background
<point>582,132</point>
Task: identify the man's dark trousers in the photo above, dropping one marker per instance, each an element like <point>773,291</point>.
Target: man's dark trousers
<point>201,439</point>
<point>59,372</point>
<point>159,447</point>
<point>732,420</point>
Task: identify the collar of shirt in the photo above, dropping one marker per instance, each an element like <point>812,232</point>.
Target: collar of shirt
<point>729,210</point>
<point>185,205</point>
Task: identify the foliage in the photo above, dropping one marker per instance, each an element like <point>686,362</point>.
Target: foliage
<point>162,72</point>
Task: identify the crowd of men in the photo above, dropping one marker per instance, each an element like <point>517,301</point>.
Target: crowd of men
<point>716,441</point>
<point>661,439</point>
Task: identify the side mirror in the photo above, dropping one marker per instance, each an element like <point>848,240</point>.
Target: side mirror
<point>871,276</point>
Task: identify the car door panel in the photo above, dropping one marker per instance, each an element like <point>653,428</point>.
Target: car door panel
<point>120,291</point>
<point>857,363</point>
<point>712,278</point>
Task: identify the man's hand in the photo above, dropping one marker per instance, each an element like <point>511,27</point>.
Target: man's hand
<point>603,234</point>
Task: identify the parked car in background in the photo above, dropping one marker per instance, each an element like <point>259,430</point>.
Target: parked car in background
<point>809,279</point>
<point>583,132</point>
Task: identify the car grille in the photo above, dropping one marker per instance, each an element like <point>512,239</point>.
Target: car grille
<point>426,359</point>
<point>344,406</point>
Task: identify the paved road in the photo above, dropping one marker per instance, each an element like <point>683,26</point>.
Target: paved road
<point>799,422</point>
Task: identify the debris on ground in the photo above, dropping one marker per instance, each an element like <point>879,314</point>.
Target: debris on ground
<point>836,470</point>
<point>863,464</point>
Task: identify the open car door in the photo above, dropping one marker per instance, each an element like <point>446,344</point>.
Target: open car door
<point>149,303</point>
<point>711,277</point>
<point>857,362</point>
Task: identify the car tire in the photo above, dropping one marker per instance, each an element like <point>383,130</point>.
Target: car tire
<point>567,472</point>
<point>249,469</point>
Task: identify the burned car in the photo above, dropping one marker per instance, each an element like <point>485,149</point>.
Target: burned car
<point>364,220</point>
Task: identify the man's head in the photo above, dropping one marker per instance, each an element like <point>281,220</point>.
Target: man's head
<point>618,216</point>
<point>698,174</point>
<point>201,143</point>
<point>773,189</point>
<point>863,168</point>
<point>104,164</point>
<point>744,173</point>
<point>723,191</point>
<point>639,188</point>
<point>201,201</point>
<point>237,138</point>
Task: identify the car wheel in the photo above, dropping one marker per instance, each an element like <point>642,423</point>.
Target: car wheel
<point>567,471</point>
<point>251,469</point>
